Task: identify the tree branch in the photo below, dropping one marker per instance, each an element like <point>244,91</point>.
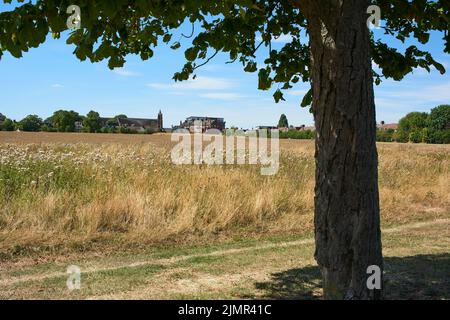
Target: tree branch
<point>207,61</point>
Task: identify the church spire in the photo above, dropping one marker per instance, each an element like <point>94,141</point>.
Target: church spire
<point>160,121</point>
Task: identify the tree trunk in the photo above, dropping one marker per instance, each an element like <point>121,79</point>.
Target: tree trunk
<point>347,212</point>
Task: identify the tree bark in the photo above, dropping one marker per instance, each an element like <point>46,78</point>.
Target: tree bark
<point>347,212</point>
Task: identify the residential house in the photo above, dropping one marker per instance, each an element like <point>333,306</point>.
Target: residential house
<point>207,123</point>
<point>138,125</point>
<point>385,127</point>
<point>79,126</point>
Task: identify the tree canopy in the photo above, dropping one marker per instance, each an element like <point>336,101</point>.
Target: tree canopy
<point>440,118</point>
<point>422,127</point>
<point>113,29</point>
<point>7,125</point>
<point>64,121</point>
<point>413,121</point>
<point>31,123</point>
<point>92,122</point>
<point>283,123</point>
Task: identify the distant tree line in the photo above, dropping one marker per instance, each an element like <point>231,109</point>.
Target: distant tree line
<point>293,133</point>
<point>65,121</point>
<point>298,134</point>
<point>421,127</point>
<point>415,127</point>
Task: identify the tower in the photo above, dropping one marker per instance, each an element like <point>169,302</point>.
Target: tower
<point>160,121</point>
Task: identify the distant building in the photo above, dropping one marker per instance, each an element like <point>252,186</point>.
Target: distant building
<point>207,123</point>
<point>284,129</point>
<point>390,126</point>
<point>266,128</point>
<point>79,126</point>
<point>139,125</point>
<point>306,128</point>
<point>160,121</point>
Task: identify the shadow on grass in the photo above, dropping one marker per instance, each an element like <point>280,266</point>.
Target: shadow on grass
<point>417,277</point>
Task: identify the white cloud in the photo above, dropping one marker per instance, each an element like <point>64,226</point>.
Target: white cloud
<point>125,73</point>
<point>227,96</point>
<point>422,95</point>
<point>213,67</point>
<point>177,93</point>
<point>397,101</point>
<point>390,104</point>
<point>200,83</point>
<point>298,93</point>
<point>57,85</point>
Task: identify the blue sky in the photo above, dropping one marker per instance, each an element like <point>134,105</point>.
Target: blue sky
<point>51,78</point>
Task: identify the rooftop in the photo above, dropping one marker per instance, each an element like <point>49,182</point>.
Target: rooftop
<point>204,118</point>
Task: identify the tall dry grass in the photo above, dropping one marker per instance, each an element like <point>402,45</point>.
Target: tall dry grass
<point>69,194</point>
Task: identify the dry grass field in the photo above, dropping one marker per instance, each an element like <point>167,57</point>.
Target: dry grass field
<point>80,198</point>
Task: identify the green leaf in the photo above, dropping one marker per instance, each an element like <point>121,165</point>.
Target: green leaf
<point>167,38</point>
<point>264,81</point>
<point>175,46</point>
<point>14,38</point>
<point>191,54</point>
<point>278,96</point>
<point>116,62</point>
<point>439,67</point>
<point>251,67</point>
<point>307,99</point>
<point>145,55</point>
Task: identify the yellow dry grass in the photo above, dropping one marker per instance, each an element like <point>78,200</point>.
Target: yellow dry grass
<point>71,190</point>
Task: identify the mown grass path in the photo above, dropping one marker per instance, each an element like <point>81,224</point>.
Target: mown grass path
<point>417,265</point>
